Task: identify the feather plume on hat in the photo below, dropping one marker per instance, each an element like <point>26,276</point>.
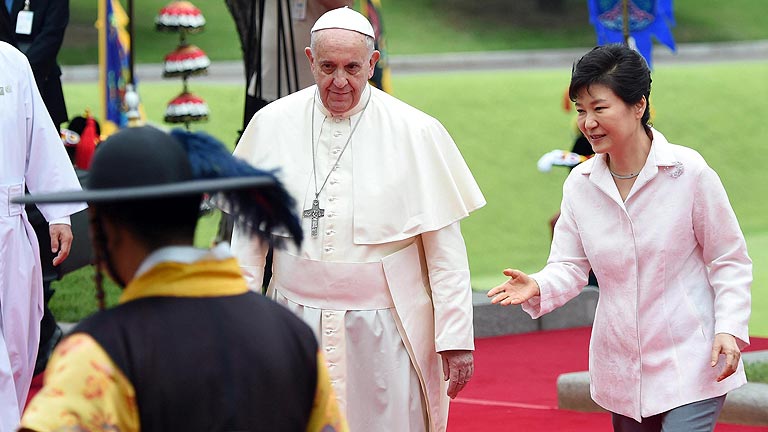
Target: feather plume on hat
<point>260,210</point>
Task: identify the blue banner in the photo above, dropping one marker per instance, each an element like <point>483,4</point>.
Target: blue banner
<point>647,19</point>
<point>114,52</point>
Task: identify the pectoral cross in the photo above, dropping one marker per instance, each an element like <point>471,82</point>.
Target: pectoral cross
<point>315,213</point>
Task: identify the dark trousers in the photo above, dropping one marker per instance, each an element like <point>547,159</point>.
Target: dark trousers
<point>698,416</point>
<point>50,333</point>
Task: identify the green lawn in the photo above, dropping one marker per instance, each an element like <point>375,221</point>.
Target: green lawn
<point>503,122</point>
<point>757,372</point>
<point>428,26</point>
<point>758,250</point>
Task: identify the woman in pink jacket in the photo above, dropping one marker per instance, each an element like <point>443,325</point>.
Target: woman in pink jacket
<point>654,223</point>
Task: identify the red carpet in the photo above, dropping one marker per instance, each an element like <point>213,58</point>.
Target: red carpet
<point>515,385</point>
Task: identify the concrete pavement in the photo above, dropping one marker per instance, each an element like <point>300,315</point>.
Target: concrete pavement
<point>232,71</point>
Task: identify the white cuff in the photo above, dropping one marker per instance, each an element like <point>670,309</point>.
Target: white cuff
<point>63,220</point>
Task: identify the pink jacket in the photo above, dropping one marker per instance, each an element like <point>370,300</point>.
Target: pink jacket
<point>673,270</point>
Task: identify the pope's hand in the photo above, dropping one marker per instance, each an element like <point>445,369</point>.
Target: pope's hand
<point>61,241</point>
<point>726,345</point>
<point>516,290</point>
<point>458,367</point>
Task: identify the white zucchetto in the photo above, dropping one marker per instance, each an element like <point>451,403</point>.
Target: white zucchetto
<point>344,18</point>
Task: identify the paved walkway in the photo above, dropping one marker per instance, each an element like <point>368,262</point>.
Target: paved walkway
<point>232,71</point>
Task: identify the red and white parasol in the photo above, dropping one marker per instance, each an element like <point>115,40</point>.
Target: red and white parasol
<point>186,108</point>
<point>180,15</point>
<point>186,60</point>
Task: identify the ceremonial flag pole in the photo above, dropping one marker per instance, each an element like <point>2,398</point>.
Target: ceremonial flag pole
<point>625,20</point>
<point>131,45</point>
<point>132,100</point>
<point>114,51</point>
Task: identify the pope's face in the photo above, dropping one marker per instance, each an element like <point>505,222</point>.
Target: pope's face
<point>342,64</point>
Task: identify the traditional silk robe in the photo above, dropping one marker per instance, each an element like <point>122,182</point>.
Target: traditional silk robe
<point>32,154</point>
<point>385,284</point>
<point>137,366</point>
<point>673,270</point>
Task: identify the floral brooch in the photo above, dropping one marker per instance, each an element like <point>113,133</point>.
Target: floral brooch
<point>675,170</point>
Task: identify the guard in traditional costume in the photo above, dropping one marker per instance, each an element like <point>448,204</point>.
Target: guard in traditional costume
<point>189,347</point>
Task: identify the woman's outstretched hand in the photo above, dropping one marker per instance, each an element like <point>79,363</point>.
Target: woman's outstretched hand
<point>516,290</point>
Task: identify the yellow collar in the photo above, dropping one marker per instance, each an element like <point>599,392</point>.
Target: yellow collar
<point>205,278</point>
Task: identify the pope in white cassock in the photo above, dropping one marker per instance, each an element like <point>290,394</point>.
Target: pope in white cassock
<point>31,154</point>
<point>382,275</point>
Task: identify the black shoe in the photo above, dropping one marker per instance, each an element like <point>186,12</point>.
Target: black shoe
<point>47,350</point>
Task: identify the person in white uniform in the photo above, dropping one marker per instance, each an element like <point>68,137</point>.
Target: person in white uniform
<point>32,155</point>
<point>383,276</point>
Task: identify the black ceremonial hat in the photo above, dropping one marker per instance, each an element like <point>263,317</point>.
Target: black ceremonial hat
<point>146,163</point>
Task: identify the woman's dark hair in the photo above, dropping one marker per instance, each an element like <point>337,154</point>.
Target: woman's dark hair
<point>618,67</point>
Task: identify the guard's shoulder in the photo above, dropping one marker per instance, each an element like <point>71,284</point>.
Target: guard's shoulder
<point>276,313</point>
<point>10,52</point>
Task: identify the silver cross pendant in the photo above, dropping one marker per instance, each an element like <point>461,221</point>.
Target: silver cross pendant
<point>315,213</point>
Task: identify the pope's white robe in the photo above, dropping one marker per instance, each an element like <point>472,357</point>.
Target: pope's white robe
<point>32,154</point>
<point>385,284</point>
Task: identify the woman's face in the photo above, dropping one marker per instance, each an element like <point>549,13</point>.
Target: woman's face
<point>607,121</point>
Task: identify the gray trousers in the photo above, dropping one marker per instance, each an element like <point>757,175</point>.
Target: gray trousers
<point>698,416</point>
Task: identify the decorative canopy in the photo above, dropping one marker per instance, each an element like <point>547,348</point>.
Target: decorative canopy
<point>186,108</point>
<point>186,60</point>
<point>180,15</point>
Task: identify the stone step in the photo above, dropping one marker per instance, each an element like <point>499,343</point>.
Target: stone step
<point>495,320</point>
<point>747,405</point>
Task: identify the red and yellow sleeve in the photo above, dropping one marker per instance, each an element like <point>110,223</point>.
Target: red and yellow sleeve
<point>83,390</point>
<point>326,415</point>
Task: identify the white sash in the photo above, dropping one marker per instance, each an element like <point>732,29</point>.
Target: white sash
<point>8,192</point>
<point>331,285</point>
